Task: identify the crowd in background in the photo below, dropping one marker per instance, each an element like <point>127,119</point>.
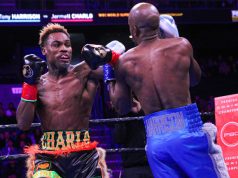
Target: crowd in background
<point>13,142</point>
<point>219,66</point>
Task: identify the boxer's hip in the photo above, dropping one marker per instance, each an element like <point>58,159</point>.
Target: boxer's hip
<point>186,118</point>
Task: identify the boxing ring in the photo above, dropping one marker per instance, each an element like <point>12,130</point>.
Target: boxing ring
<point>94,121</point>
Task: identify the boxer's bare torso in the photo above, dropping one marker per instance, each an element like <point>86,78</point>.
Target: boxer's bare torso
<point>65,103</point>
<point>158,72</point>
<point>65,93</point>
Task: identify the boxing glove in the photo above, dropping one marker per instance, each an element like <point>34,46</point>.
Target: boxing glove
<point>97,55</point>
<point>33,68</point>
<point>116,47</point>
<point>168,27</point>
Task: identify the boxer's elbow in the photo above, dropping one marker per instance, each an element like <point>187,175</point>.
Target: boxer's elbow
<point>195,72</point>
<point>25,115</point>
<point>195,76</point>
<point>194,81</point>
<point>21,124</point>
<point>23,127</point>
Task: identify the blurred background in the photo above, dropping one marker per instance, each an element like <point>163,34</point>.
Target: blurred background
<point>210,25</point>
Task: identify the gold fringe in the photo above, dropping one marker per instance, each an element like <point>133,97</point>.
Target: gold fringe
<point>102,162</point>
<point>30,165</point>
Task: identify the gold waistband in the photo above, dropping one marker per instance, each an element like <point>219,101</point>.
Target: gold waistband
<point>56,140</point>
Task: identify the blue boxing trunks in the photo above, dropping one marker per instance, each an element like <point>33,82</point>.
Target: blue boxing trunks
<point>179,147</point>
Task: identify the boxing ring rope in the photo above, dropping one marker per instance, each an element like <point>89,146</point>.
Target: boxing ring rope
<point>112,150</point>
<point>93,121</point>
<point>98,121</point>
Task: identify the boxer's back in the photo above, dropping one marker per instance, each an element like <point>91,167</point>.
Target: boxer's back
<point>158,72</point>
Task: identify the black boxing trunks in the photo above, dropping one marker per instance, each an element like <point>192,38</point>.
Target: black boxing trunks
<point>63,154</point>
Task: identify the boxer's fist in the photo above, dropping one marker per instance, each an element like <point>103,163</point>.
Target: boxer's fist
<point>33,68</point>
<point>117,49</point>
<point>108,70</point>
<point>116,46</point>
<point>96,55</point>
<point>168,28</point>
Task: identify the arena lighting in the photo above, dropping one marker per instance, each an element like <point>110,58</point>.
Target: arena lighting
<point>175,14</point>
<point>16,90</point>
<point>125,14</point>
<point>234,15</point>
<point>112,14</point>
<point>20,18</point>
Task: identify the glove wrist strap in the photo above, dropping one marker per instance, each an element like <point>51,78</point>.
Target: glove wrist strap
<point>115,57</point>
<point>29,93</point>
<point>109,74</point>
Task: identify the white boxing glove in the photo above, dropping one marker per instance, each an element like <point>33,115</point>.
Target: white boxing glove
<point>168,27</point>
<point>116,46</point>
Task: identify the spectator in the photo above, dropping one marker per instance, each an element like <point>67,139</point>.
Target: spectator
<point>9,148</point>
<point>2,111</point>
<point>2,141</point>
<point>11,110</point>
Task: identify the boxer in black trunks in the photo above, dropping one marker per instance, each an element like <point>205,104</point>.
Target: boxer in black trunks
<point>63,99</point>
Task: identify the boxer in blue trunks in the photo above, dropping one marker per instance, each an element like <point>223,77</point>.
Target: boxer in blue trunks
<point>160,73</point>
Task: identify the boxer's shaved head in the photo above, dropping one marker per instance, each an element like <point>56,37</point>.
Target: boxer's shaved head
<point>145,18</point>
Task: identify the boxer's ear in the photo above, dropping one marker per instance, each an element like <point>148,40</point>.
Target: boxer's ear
<point>43,51</point>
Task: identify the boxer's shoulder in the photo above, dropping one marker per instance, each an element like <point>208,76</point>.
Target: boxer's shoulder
<point>126,57</point>
<point>80,68</point>
<point>183,44</point>
<point>181,41</point>
<point>175,43</point>
<point>42,79</point>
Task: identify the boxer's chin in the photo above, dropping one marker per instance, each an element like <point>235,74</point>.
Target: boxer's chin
<point>63,68</point>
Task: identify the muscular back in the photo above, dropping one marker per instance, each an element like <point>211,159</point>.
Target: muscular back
<point>65,103</point>
<point>158,72</point>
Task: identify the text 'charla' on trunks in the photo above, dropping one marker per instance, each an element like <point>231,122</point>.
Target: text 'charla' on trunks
<point>54,140</point>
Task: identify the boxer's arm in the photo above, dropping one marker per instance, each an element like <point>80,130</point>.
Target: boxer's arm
<point>25,114</point>
<point>97,55</point>
<point>120,96</point>
<point>32,70</point>
<point>120,93</point>
<point>96,74</point>
<point>194,70</point>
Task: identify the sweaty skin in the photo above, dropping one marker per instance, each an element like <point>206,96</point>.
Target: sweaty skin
<point>158,71</point>
<point>65,93</point>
